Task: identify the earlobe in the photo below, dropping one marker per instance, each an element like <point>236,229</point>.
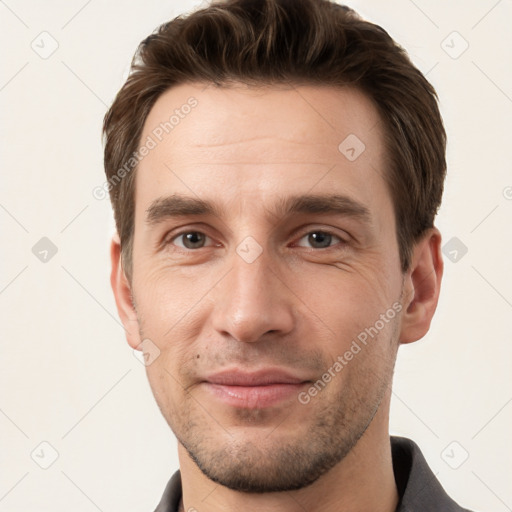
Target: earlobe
<point>422,286</point>
<point>123,295</point>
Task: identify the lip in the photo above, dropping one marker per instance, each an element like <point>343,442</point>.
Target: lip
<point>254,390</point>
<point>264,377</point>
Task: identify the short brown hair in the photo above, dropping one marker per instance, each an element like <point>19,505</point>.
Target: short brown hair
<point>265,42</point>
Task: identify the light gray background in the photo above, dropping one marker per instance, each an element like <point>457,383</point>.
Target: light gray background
<point>68,377</point>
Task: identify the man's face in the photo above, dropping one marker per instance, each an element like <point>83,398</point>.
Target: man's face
<point>253,302</point>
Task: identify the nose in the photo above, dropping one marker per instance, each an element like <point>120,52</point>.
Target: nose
<point>252,301</point>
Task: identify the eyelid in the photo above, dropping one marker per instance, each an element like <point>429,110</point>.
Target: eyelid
<point>305,229</point>
<point>342,240</point>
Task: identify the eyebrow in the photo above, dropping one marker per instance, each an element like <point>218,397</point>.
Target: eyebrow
<point>176,205</point>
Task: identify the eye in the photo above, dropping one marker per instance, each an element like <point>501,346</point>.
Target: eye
<point>319,239</point>
<point>189,240</point>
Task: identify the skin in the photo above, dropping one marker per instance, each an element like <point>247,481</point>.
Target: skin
<point>298,306</point>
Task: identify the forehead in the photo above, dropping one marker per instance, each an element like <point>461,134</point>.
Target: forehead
<point>241,144</point>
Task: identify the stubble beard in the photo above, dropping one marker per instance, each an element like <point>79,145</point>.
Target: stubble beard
<point>282,462</point>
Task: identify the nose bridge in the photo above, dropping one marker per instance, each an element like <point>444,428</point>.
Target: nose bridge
<point>252,278</point>
<point>252,301</point>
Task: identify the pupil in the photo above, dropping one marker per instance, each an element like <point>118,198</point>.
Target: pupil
<point>192,240</point>
<point>320,239</point>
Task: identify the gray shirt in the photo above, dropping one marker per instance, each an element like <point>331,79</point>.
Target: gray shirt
<point>418,488</point>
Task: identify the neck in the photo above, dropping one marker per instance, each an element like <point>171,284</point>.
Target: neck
<point>362,481</point>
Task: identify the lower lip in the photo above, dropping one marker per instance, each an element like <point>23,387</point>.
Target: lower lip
<point>255,397</point>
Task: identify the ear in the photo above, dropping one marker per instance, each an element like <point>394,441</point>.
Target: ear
<point>123,295</point>
<point>422,284</point>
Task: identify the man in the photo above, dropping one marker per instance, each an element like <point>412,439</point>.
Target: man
<point>275,168</point>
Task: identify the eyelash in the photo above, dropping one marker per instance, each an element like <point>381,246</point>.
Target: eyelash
<point>170,241</point>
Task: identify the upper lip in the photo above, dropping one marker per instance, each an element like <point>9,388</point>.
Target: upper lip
<point>265,377</point>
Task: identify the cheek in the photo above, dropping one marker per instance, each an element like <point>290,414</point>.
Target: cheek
<point>346,307</point>
<point>357,293</point>
<point>167,299</point>
<point>166,388</point>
